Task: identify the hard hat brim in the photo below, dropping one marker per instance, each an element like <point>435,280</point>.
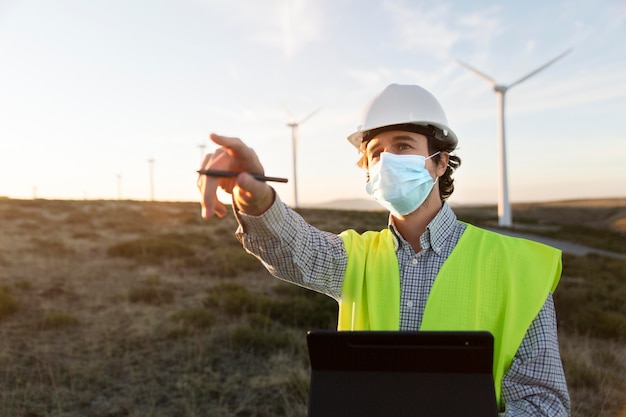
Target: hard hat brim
<point>450,139</point>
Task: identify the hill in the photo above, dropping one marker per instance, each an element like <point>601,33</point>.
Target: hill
<point>357,204</point>
<point>131,308</point>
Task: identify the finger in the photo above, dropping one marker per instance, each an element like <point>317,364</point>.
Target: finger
<point>208,194</point>
<point>245,159</point>
<point>211,206</point>
<point>228,142</point>
<point>250,184</point>
<point>221,160</point>
<point>252,196</point>
<point>220,209</point>
<point>205,160</point>
<point>209,202</point>
<point>210,160</point>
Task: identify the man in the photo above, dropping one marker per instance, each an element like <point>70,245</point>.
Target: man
<point>425,271</point>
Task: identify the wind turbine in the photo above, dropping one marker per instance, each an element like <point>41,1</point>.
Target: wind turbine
<point>202,148</point>
<point>151,162</point>
<point>504,207</point>
<point>294,141</point>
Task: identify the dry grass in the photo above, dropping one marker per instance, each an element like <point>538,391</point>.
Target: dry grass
<point>595,370</point>
<point>125,308</point>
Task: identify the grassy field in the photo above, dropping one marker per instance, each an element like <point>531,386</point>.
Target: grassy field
<point>128,308</point>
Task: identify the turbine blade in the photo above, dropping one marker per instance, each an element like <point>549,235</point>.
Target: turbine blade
<point>292,119</point>
<point>475,71</point>
<point>310,115</point>
<point>552,61</point>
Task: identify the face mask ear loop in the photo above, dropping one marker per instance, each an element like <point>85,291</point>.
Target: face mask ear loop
<point>433,155</point>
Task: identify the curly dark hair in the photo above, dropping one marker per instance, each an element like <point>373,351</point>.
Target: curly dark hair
<point>435,144</point>
<point>446,181</point>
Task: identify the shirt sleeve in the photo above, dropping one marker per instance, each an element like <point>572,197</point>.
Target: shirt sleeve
<point>293,250</point>
<point>535,384</point>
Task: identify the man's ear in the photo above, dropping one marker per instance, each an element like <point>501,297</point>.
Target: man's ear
<point>442,165</point>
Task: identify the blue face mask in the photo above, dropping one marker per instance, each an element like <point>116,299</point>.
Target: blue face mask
<point>400,183</point>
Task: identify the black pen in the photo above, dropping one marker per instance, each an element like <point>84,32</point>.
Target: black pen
<point>219,173</point>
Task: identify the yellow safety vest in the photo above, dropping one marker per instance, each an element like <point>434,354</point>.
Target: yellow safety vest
<point>489,282</point>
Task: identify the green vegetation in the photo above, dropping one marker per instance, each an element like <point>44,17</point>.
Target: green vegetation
<point>589,236</point>
<point>229,261</point>
<point>24,285</point>
<point>50,247</point>
<point>58,319</point>
<point>595,283</point>
<point>150,294</point>
<point>295,307</point>
<point>197,318</point>
<point>8,304</point>
<point>151,250</point>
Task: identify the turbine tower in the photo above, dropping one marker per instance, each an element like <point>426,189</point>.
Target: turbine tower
<point>151,162</point>
<point>504,207</point>
<point>294,141</point>
<point>202,148</point>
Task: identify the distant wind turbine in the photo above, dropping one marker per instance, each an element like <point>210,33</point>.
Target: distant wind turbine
<point>294,140</point>
<point>504,208</point>
<point>151,162</point>
<point>202,148</point>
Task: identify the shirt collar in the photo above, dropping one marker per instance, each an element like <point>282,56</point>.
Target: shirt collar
<point>436,233</point>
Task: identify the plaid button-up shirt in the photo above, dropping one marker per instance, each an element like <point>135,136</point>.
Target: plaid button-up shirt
<point>293,250</point>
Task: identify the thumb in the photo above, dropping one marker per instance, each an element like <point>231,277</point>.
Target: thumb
<point>252,196</point>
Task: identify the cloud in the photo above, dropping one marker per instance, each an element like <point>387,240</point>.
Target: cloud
<point>436,29</point>
<point>285,25</point>
<point>371,78</point>
<point>300,23</point>
<point>421,28</point>
<point>480,27</point>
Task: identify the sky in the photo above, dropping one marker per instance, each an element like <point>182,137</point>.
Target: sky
<point>108,99</point>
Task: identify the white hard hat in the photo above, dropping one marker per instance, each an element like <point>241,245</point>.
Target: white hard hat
<point>402,105</point>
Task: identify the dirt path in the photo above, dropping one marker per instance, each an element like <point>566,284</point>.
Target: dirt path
<point>567,247</point>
